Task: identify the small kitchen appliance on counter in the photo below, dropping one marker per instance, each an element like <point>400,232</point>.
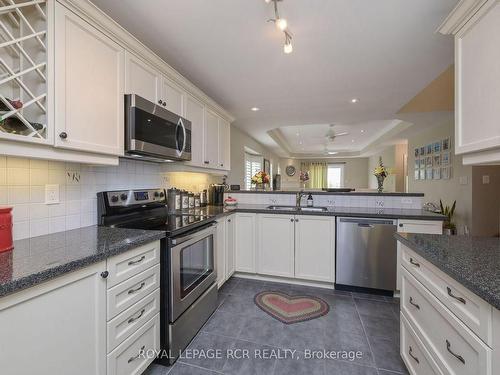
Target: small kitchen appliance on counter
<point>6,242</point>
<point>216,194</point>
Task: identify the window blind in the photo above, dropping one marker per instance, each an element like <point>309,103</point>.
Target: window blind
<point>253,164</point>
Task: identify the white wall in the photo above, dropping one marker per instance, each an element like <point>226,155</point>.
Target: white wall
<point>447,190</point>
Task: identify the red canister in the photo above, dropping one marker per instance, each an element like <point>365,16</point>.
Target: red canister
<point>6,229</point>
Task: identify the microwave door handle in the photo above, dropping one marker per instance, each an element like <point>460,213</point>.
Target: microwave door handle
<point>184,138</point>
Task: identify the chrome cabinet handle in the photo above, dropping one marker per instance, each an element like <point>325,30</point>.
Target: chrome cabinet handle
<point>63,135</point>
<point>292,220</point>
<point>206,162</point>
<point>410,353</point>
<point>296,220</point>
<point>414,263</point>
<point>414,304</point>
<point>132,262</point>
<point>137,289</point>
<point>138,355</point>
<point>459,357</point>
<point>460,299</point>
<point>133,319</point>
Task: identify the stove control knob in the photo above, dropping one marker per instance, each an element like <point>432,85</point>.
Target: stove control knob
<point>162,194</point>
<point>123,197</point>
<point>114,198</point>
<point>157,194</point>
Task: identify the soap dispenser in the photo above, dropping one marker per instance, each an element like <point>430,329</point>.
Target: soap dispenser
<point>310,201</point>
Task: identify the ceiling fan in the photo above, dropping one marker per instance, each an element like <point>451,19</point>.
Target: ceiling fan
<point>331,134</point>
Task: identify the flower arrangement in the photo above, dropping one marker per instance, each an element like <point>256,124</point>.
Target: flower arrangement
<point>304,176</point>
<point>448,225</point>
<point>381,172</point>
<point>260,178</point>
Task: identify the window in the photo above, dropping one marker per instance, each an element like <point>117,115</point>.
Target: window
<point>335,176</point>
<point>253,164</point>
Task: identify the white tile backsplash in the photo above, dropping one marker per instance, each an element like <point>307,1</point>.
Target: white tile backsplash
<point>22,185</point>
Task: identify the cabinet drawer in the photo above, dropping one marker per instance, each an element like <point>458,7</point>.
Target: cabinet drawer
<point>420,226</point>
<point>469,308</point>
<point>453,346</point>
<point>129,292</point>
<point>416,357</point>
<point>131,319</point>
<point>130,358</point>
<point>123,266</point>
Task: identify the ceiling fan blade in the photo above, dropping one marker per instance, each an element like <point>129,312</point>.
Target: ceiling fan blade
<point>341,134</point>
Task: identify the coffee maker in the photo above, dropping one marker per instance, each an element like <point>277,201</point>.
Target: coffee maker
<point>216,194</point>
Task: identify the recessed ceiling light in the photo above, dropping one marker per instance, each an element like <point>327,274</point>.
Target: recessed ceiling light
<point>362,131</point>
<point>332,152</point>
<point>255,109</point>
<point>354,100</point>
<point>352,140</point>
<point>297,134</point>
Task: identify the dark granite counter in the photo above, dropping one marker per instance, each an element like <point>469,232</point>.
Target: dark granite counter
<point>382,213</point>
<point>474,262</point>
<point>321,192</point>
<point>38,259</point>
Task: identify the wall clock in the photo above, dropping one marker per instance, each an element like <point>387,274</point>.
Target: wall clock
<point>290,170</point>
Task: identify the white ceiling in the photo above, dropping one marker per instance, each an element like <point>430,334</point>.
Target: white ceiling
<point>382,52</point>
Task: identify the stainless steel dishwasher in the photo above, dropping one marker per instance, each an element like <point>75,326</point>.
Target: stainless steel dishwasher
<point>366,253</point>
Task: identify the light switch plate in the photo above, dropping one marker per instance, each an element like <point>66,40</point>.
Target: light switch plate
<point>486,180</point>
<point>464,180</point>
<point>52,194</point>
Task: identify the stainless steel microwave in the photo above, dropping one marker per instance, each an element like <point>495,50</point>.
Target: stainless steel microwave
<point>154,133</point>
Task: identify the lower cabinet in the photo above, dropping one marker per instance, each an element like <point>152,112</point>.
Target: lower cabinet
<point>59,325</point>
<point>244,240</point>
<point>315,248</point>
<point>275,245</point>
<point>224,249</point>
<point>230,245</point>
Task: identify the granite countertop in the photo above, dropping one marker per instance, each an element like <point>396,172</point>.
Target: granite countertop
<point>322,192</point>
<point>38,259</point>
<point>474,262</point>
<point>382,213</point>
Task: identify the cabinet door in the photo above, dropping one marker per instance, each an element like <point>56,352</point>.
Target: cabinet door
<point>315,248</point>
<point>172,97</point>
<point>245,242</point>
<point>220,251</point>
<point>230,245</point>
<point>275,245</point>
<point>211,140</point>
<point>224,144</point>
<point>88,87</point>
<point>141,79</point>
<point>477,79</point>
<point>195,112</point>
<point>60,323</point>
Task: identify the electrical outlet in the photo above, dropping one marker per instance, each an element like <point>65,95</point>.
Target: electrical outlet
<point>52,194</point>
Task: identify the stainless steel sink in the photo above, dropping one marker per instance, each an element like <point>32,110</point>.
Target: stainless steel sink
<point>314,209</point>
<point>282,208</point>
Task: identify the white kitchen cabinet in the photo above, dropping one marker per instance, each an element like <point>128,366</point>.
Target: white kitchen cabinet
<point>224,144</point>
<point>276,245</point>
<point>245,234</point>
<point>172,96</point>
<point>141,78</point>
<point>60,323</point>
<point>315,248</point>
<point>220,251</point>
<point>89,87</point>
<point>195,112</point>
<point>230,245</point>
<point>476,26</point>
<point>211,140</point>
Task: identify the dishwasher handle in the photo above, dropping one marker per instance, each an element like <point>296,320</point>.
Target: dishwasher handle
<point>366,222</point>
<point>365,225</point>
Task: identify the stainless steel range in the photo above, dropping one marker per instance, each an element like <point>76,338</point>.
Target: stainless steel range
<point>188,277</point>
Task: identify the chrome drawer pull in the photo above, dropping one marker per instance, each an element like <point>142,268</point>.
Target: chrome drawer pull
<point>414,263</point>
<point>133,319</point>
<point>459,357</point>
<point>460,299</point>
<point>410,352</point>
<point>414,304</point>
<point>137,289</point>
<point>132,262</point>
<point>138,355</point>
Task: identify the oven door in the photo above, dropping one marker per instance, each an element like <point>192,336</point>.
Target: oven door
<point>191,268</point>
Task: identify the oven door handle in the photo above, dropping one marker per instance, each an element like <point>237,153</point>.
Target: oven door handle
<point>199,234</point>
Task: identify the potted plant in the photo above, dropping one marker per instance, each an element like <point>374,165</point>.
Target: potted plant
<point>260,179</point>
<point>449,226</point>
<point>381,172</point>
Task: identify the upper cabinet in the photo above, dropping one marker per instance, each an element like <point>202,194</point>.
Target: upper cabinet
<point>476,27</point>
<point>172,97</point>
<point>89,87</point>
<point>195,112</point>
<point>224,144</point>
<point>142,79</point>
<point>211,140</point>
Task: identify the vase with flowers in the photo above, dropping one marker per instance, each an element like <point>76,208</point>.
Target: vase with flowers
<point>304,177</point>
<point>260,180</point>
<point>381,172</point>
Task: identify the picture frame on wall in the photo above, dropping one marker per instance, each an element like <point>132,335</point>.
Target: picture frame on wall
<point>422,173</point>
<point>428,161</point>
<point>428,149</point>
<point>446,144</point>
<point>267,166</point>
<point>417,150</point>
<point>446,173</point>
<point>417,163</point>
<point>436,160</point>
<point>436,173</point>
<point>422,151</point>
<point>437,147</point>
<point>445,158</point>
<point>428,173</point>
<point>417,174</point>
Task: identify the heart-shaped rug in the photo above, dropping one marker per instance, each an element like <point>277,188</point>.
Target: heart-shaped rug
<point>291,309</point>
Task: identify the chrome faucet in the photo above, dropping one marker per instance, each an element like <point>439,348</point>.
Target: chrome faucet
<point>298,197</point>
